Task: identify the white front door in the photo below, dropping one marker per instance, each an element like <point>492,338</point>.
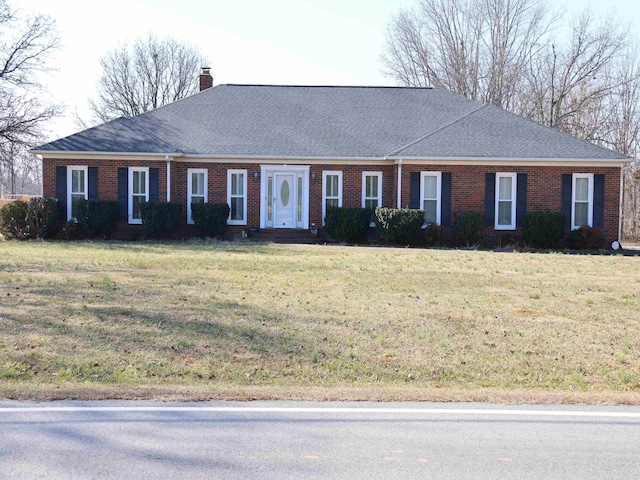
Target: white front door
<point>285,200</point>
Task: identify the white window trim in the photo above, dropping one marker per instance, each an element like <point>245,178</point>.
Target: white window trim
<point>575,176</point>
<point>325,174</point>
<point>71,168</point>
<point>246,196</point>
<point>438,176</point>
<point>137,221</point>
<point>190,172</point>
<point>364,190</point>
<point>514,191</point>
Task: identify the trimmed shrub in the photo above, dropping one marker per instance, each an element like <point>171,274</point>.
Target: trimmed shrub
<point>13,220</point>
<point>210,218</point>
<point>98,217</point>
<point>507,239</point>
<point>468,228</point>
<point>435,236</point>
<point>43,216</point>
<point>544,229</point>
<point>160,218</point>
<point>348,224</point>
<point>586,238</point>
<point>398,225</point>
<point>70,230</point>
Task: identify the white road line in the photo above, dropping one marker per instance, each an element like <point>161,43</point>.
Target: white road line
<point>350,410</point>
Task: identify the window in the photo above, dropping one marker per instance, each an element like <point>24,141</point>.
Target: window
<point>331,191</point>
<point>76,188</point>
<point>237,196</point>
<point>371,189</point>
<point>431,196</point>
<point>197,180</point>
<point>582,201</point>
<point>138,192</point>
<point>506,184</point>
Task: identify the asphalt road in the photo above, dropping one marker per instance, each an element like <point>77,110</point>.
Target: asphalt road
<point>282,440</point>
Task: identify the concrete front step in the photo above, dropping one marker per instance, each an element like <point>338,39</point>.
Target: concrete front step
<point>285,236</point>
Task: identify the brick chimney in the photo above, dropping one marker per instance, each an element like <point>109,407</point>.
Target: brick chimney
<point>206,80</point>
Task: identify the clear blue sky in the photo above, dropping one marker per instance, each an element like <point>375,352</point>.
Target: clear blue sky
<point>244,41</point>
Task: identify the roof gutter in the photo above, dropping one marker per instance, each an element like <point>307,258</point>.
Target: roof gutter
<point>389,158</point>
<point>68,154</point>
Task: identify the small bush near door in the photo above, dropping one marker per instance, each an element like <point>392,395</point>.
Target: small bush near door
<point>544,229</point>
<point>400,226</point>
<point>468,229</point>
<point>586,238</point>
<point>348,224</point>
<point>160,218</point>
<point>210,218</point>
<point>13,220</point>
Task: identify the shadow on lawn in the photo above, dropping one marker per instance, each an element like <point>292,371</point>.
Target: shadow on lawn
<point>168,246</point>
<point>108,330</point>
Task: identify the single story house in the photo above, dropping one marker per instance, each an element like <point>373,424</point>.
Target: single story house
<point>279,155</point>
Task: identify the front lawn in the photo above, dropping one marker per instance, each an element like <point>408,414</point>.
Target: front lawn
<point>199,320</point>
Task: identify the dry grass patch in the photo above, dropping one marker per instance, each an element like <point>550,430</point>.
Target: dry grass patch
<point>227,317</point>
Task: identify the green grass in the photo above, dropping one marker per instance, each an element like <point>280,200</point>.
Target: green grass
<point>220,316</point>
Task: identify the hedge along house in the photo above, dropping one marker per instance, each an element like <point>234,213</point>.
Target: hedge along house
<point>279,155</point>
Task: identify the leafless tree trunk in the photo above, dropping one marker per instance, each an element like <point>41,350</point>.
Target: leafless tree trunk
<point>144,76</point>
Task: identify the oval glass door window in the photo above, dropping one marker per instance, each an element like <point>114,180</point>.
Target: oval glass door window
<point>284,193</point>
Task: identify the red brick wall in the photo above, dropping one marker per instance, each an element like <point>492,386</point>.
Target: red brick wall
<point>107,175</point>
<point>468,185</point>
<point>544,189</point>
<point>351,187</point>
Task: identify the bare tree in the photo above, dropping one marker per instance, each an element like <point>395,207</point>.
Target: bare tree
<point>478,48</point>
<point>567,86</point>
<point>20,172</point>
<point>146,75</point>
<point>24,43</point>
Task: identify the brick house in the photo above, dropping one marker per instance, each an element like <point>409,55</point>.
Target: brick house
<point>278,155</point>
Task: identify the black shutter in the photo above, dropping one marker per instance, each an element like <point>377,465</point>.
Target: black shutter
<point>598,201</point>
<point>93,183</point>
<point>490,200</point>
<point>414,190</point>
<point>154,184</point>
<point>445,201</point>
<point>123,192</point>
<point>61,188</point>
<point>567,185</point>
<point>521,199</point>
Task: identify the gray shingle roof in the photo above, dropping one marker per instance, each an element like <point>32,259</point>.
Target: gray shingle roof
<point>303,121</point>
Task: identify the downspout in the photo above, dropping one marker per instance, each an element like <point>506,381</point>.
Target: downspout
<point>166,157</point>
<point>621,203</point>
<point>399,183</point>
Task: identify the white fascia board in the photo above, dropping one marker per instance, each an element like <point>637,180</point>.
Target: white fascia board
<point>105,155</point>
<point>518,162</point>
<point>180,157</point>
<point>279,158</point>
